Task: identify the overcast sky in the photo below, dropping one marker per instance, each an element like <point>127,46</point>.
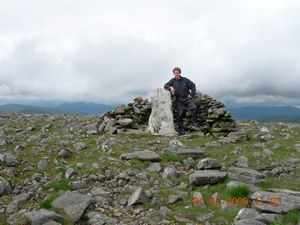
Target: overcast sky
<point>238,51</point>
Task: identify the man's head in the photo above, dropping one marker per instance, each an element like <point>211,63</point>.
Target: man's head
<point>177,72</point>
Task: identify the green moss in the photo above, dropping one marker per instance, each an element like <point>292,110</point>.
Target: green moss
<point>56,186</point>
<point>238,192</point>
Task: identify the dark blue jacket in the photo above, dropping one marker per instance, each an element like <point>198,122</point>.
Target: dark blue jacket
<point>183,87</point>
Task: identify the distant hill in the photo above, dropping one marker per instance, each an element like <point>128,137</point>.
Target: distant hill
<point>267,114</point>
<point>86,108</point>
<point>65,108</point>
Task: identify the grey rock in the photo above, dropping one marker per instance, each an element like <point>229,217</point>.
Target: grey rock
<point>169,172</point>
<point>64,153</point>
<point>202,177</point>
<point>70,172</point>
<point>236,150</point>
<point>8,159</point>
<point>125,122</point>
<point>267,153</point>
<point>79,146</point>
<point>247,213</point>
<point>212,144</point>
<point>145,155</point>
<point>276,146</point>
<point>2,142</point>
<point>263,137</point>
<point>154,167</point>
<point>51,222</point>
<point>256,155</point>
<point>249,222</point>
<point>43,164</point>
<point>41,216</point>
<point>275,202</point>
<point>238,136</point>
<point>19,148</point>
<point>242,162</point>
<point>176,144</point>
<point>164,211</point>
<point>209,163</point>
<point>248,176</point>
<point>194,153</point>
<point>174,198</point>
<point>198,200</point>
<point>97,218</point>
<point>5,187</point>
<point>161,120</point>
<point>137,197</point>
<point>107,145</point>
<point>73,204</point>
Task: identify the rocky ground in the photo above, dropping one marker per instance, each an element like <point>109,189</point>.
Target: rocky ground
<point>60,170</point>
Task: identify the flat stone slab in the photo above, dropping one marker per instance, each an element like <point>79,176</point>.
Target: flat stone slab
<point>275,202</point>
<point>73,204</point>
<point>202,177</point>
<point>42,216</point>
<point>249,222</point>
<point>246,175</point>
<point>209,164</point>
<point>145,155</point>
<point>194,153</point>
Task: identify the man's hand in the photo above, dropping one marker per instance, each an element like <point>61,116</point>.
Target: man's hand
<point>189,96</point>
<point>172,90</point>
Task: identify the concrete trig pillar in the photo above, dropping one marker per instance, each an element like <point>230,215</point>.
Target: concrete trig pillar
<point>161,120</point>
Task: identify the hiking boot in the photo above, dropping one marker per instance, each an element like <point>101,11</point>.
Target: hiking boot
<point>194,126</point>
<point>181,131</point>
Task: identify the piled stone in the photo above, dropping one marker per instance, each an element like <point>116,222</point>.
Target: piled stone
<point>212,115</point>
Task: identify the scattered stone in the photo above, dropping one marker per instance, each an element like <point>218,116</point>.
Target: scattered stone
<point>19,148</point>
<point>70,172</point>
<point>125,122</point>
<point>276,202</point>
<point>41,216</point>
<point>169,172</point>
<point>8,159</point>
<point>236,150</point>
<point>242,162</point>
<point>209,164</point>
<point>248,176</point>
<point>256,155</point>
<point>5,187</point>
<point>43,164</point>
<point>154,167</point>
<point>137,197</point>
<point>97,218</point>
<point>73,204</point>
<point>79,146</point>
<point>64,153</point>
<point>267,153</point>
<point>202,177</point>
<point>176,144</point>
<point>174,198</point>
<point>107,145</point>
<point>145,155</point>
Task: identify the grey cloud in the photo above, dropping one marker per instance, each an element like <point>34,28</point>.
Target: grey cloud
<point>239,51</point>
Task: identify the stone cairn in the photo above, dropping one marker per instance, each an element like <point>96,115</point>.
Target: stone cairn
<point>212,116</point>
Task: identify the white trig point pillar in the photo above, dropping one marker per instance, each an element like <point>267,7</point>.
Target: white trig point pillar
<point>161,119</point>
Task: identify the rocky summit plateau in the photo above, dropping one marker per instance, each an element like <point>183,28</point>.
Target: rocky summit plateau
<point>96,170</point>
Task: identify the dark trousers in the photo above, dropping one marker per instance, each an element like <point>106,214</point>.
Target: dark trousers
<point>180,106</point>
